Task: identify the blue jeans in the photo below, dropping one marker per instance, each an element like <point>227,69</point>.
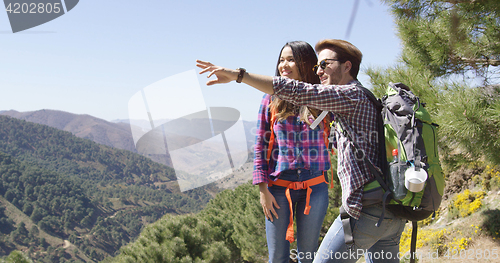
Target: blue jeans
<point>308,226</point>
<point>377,244</point>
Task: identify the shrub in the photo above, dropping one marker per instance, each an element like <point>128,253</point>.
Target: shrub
<point>466,203</point>
<point>491,178</point>
<point>442,240</point>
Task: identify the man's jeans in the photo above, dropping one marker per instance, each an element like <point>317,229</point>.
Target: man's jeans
<point>308,226</point>
<point>377,244</point>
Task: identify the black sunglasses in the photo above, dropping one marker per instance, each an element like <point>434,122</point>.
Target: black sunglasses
<point>323,64</point>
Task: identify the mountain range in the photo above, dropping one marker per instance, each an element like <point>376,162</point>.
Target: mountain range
<point>117,134</point>
<point>67,198</point>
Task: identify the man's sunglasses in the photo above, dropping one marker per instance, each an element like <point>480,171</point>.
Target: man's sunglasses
<point>323,64</point>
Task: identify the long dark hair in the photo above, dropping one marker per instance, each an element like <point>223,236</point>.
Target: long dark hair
<point>305,59</point>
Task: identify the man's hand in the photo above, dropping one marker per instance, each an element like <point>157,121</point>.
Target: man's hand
<point>268,202</point>
<point>223,75</point>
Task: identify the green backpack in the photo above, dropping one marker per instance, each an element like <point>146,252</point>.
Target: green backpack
<point>409,128</point>
<point>404,124</point>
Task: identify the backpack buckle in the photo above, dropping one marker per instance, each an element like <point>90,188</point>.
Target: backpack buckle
<point>298,185</point>
<point>359,154</point>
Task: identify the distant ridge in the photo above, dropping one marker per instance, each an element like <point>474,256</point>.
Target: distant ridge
<point>117,135</point>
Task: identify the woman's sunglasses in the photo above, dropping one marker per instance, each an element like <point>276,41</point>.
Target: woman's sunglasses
<point>323,64</point>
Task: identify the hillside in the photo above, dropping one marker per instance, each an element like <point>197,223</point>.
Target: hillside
<point>466,227</point>
<point>116,135</point>
<point>93,197</point>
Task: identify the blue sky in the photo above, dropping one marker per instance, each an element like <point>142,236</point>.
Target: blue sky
<point>96,57</point>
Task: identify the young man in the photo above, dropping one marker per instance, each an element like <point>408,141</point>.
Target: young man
<point>339,93</point>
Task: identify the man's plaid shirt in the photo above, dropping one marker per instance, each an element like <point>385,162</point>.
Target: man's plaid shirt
<point>349,104</point>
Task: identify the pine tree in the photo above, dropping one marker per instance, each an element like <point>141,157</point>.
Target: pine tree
<point>17,257</point>
<point>450,59</point>
<point>450,36</point>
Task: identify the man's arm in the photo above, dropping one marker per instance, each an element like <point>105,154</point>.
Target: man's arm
<point>341,99</point>
<point>224,75</point>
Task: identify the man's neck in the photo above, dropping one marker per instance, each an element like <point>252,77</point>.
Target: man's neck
<point>346,80</point>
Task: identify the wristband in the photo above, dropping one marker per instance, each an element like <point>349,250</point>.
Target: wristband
<point>240,75</point>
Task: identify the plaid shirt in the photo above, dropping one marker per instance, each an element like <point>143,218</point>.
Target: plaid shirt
<point>296,146</point>
<point>351,106</point>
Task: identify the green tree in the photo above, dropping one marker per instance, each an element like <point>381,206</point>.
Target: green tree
<point>6,224</point>
<point>219,233</point>
<point>176,239</point>
<point>36,215</point>
<point>22,229</point>
<point>238,214</point>
<point>450,36</point>
<point>34,230</point>
<point>17,257</point>
<point>27,209</point>
<point>451,58</point>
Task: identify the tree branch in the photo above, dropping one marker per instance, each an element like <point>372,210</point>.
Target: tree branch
<point>460,1</point>
<point>486,61</point>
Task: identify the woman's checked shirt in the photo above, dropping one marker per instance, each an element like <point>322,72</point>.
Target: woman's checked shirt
<point>296,146</point>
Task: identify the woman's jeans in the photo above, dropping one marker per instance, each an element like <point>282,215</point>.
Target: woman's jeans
<point>377,244</point>
<point>308,226</point>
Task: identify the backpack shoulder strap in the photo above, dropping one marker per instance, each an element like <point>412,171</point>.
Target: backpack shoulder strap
<point>373,99</point>
<point>271,139</point>
<point>380,136</point>
<point>378,174</point>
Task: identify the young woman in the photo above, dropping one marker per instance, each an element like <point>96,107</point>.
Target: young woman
<point>290,159</point>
